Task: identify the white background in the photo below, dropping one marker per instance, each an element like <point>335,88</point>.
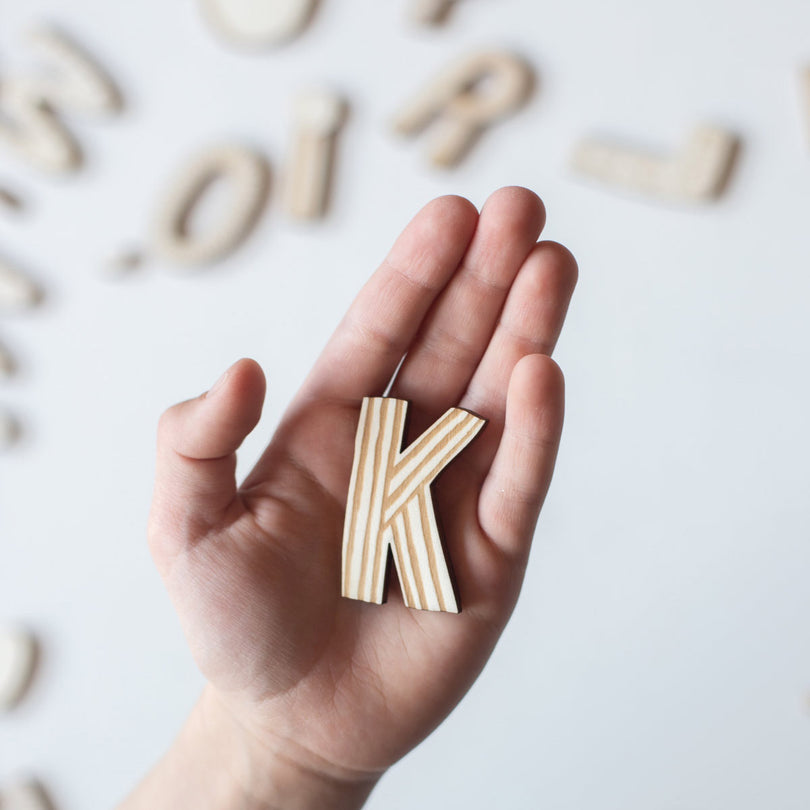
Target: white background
<point>659,657</point>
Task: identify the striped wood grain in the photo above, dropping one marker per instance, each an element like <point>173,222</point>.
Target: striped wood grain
<point>390,505</point>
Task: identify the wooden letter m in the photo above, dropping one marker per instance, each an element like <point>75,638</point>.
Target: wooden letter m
<point>390,505</point>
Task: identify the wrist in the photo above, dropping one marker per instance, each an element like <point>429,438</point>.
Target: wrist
<point>274,774</point>
<point>217,764</point>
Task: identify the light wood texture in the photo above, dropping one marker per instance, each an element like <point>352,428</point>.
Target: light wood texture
<point>25,795</point>
<point>72,81</point>
<point>31,106</point>
<point>430,12</point>
<point>7,364</point>
<point>124,263</point>
<point>258,23</point>
<point>10,200</point>
<point>466,98</point>
<point>31,130</point>
<point>697,173</point>
<point>17,291</point>
<point>9,433</point>
<point>390,505</point>
<point>17,659</point>
<point>247,175</point>
<point>318,117</point>
<point>804,89</point>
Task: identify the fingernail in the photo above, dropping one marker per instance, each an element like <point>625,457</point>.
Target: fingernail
<point>220,383</point>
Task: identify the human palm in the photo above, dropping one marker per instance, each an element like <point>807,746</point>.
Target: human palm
<point>475,306</point>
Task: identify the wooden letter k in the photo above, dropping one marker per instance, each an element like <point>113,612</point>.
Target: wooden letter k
<point>390,505</point>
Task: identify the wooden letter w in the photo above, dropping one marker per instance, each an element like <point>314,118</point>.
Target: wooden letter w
<point>390,505</point>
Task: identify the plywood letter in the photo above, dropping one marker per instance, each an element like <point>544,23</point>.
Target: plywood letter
<point>390,505</point>
<point>32,130</point>
<point>9,433</point>
<point>698,172</point>
<point>245,172</point>
<point>31,105</point>
<point>257,23</point>
<point>466,98</point>
<point>7,364</point>
<point>73,81</point>
<point>430,12</point>
<point>25,795</point>
<point>318,117</point>
<point>17,659</point>
<point>11,200</point>
<point>17,291</point>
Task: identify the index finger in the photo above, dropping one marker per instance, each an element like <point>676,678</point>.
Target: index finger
<point>369,343</point>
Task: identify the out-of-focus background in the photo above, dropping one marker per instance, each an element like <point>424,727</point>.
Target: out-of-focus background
<point>659,656</point>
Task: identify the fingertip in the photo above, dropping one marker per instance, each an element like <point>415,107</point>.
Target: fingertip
<point>536,400</point>
<point>539,369</point>
<point>561,262</point>
<point>518,480</point>
<point>430,248</point>
<point>240,394</point>
<point>452,206</point>
<point>244,380</point>
<point>247,366</point>
<point>451,215</point>
<point>196,456</point>
<point>520,206</point>
<point>214,424</point>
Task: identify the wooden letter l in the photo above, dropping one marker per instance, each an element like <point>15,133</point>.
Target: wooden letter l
<point>390,505</point>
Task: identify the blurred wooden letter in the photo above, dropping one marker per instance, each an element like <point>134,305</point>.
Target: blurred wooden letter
<point>319,115</point>
<point>32,106</point>
<point>466,98</point>
<point>247,176</point>
<point>430,12</point>
<point>258,23</point>
<point>698,172</point>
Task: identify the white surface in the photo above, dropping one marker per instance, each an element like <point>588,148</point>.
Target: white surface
<point>659,657</point>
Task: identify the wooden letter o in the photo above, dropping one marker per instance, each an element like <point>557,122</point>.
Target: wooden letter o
<point>248,174</point>
<point>256,23</point>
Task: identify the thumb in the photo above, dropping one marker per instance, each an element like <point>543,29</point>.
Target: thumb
<point>195,481</point>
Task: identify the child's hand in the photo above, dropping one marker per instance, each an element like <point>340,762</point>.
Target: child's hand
<point>312,696</point>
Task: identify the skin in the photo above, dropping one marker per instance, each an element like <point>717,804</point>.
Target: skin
<point>312,697</point>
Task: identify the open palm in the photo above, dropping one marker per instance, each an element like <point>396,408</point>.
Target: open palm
<point>475,305</point>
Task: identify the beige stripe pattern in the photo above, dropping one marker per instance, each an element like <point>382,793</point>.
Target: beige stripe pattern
<point>390,505</point>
